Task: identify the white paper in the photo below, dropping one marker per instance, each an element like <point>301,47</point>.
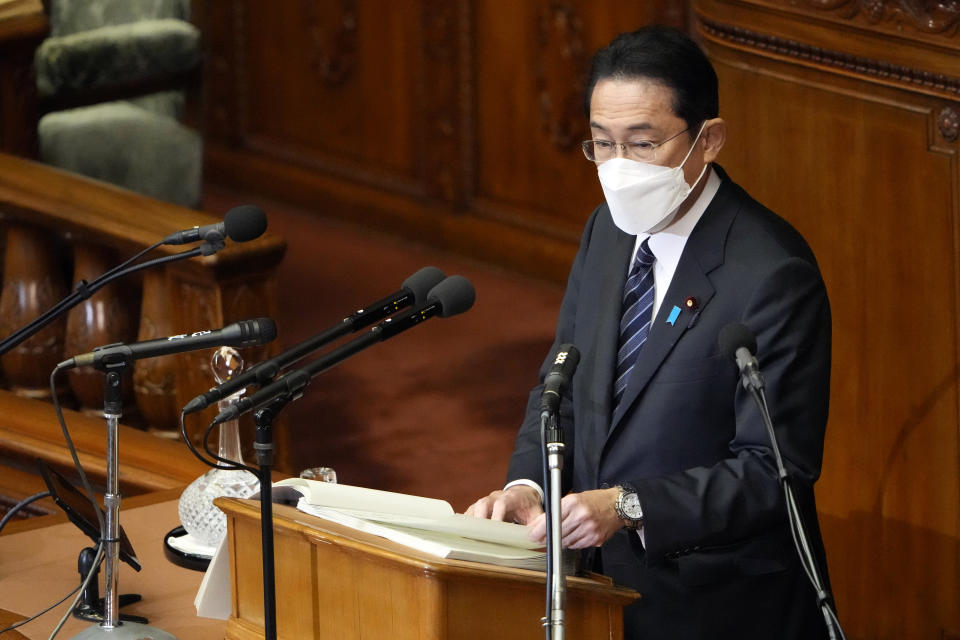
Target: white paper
<point>343,496</point>
<point>213,597</point>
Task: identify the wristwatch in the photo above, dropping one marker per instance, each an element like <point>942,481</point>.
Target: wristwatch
<point>628,507</point>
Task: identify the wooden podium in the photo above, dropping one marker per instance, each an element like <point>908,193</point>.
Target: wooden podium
<point>335,583</point>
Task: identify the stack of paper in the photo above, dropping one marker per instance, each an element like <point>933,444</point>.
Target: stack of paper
<point>425,524</point>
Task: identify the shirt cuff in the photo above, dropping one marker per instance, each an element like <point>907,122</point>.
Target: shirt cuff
<point>528,483</point>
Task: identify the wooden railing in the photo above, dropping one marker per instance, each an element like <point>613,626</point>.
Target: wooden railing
<point>60,228</point>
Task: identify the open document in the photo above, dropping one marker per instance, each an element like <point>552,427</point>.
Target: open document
<point>425,524</point>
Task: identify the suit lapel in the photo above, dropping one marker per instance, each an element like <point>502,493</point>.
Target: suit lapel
<point>702,253</point>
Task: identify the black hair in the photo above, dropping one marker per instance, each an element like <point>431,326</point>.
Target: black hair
<point>667,55</point>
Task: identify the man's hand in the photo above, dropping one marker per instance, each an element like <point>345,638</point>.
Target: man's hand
<point>588,519</point>
<point>519,503</point>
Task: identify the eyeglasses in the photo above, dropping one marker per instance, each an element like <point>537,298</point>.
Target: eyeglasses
<point>641,151</point>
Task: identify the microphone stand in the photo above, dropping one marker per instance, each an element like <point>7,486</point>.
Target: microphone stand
<point>263,444</point>
<point>754,384</point>
<point>86,289</point>
<point>551,436</point>
<point>112,627</point>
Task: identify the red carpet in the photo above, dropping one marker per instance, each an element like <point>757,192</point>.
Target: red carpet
<point>431,412</point>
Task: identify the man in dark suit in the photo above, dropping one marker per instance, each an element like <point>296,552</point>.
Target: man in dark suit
<point>671,476</point>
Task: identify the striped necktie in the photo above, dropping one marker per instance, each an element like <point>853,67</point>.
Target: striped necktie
<point>636,317</point>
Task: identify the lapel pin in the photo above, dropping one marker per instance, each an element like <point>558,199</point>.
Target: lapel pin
<point>691,303</point>
<point>674,314</point>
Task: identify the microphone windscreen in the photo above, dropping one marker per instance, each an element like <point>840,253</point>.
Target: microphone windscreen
<point>420,283</point>
<point>266,329</point>
<point>243,223</point>
<point>736,335</point>
<point>455,295</point>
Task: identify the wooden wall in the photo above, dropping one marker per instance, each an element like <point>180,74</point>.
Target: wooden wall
<point>454,123</point>
<point>843,118</point>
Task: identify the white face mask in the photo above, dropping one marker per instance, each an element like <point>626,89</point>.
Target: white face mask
<point>643,197</point>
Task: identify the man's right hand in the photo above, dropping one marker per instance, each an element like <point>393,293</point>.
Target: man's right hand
<point>520,503</point>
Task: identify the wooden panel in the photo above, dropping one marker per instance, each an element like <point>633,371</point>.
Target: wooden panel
<point>454,123</point>
<point>869,174</point>
<point>344,53</point>
<point>364,586</point>
<point>531,71</point>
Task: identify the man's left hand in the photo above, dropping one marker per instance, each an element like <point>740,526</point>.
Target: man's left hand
<point>588,519</point>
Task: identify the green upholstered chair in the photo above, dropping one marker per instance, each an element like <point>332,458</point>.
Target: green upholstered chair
<point>110,48</point>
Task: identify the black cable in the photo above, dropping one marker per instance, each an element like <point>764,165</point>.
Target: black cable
<point>109,274</point>
<point>189,443</point>
<point>20,505</point>
<point>229,465</point>
<point>86,485</point>
<point>90,494</point>
<point>795,522</point>
<point>37,615</point>
<point>73,451</point>
<point>97,559</point>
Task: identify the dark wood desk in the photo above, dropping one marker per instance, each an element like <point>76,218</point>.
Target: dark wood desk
<point>38,565</point>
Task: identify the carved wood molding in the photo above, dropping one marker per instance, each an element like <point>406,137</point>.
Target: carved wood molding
<point>948,122</point>
<point>915,79</point>
<point>241,92</point>
<point>926,16</point>
<point>220,72</point>
<point>441,82</point>
<point>560,72</point>
<point>333,49</point>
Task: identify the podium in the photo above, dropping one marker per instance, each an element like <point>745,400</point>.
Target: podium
<point>336,583</point>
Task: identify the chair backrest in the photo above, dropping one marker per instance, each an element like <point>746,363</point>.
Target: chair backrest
<point>74,16</point>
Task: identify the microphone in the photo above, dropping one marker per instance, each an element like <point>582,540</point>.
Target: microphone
<point>240,224</point>
<point>413,291</point>
<point>246,333</point>
<point>738,342</point>
<point>558,379</point>
<point>452,296</point>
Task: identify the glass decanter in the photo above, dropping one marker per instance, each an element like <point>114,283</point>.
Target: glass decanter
<point>199,516</point>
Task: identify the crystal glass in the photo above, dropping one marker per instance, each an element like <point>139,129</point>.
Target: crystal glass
<point>199,516</point>
<point>320,474</point>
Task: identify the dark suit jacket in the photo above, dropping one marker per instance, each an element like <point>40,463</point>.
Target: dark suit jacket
<point>718,560</point>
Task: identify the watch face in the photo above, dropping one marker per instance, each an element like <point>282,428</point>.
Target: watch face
<point>631,506</point>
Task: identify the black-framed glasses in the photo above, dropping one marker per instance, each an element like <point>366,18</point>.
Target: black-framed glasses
<point>641,151</point>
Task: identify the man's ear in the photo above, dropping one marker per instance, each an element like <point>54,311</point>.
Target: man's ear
<point>714,135</point>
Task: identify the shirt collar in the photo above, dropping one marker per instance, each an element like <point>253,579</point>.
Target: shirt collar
<point>667,244</point>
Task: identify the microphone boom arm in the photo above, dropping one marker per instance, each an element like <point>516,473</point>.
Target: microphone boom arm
<point>295,382</point>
